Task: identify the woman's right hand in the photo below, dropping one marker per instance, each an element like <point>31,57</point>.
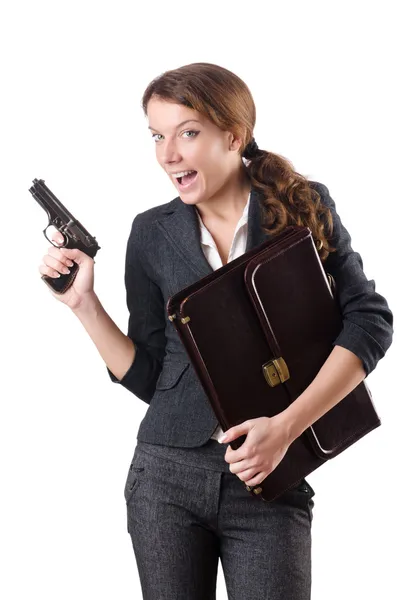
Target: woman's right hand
<point>58,260</point>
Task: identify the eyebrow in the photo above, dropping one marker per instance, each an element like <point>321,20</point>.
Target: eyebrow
<point>180,124</point>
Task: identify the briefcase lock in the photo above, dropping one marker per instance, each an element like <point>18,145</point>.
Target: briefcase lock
<point>184,320</point>
<point>256,490</point>
<point>276,371</point>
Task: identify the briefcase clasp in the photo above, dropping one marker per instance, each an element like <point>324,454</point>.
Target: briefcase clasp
<point>276,371</point>
<point>256,490</point>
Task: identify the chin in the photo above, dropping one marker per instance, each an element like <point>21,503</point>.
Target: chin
<point>195,198</point>
<point>190,200</point>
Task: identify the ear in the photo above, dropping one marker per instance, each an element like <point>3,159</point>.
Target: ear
<point>235,141</point>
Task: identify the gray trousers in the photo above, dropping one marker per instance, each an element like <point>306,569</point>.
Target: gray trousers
<point>185,510</point>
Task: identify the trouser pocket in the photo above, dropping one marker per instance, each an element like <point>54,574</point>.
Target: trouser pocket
<point>305,487</point>
<point>135,472</point>
<point>299,497</point>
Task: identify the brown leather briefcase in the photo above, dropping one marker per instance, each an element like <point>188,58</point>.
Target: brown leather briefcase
<point>257,331</point>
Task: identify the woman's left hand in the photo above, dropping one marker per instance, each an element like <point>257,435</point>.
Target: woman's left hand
<point>265,446</point>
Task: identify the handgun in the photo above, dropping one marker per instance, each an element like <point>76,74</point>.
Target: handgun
<point>76,236</point>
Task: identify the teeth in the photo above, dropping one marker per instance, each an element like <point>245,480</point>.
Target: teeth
<point>182,173</point>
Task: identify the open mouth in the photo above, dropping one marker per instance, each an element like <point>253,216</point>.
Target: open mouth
<point>187,180</point>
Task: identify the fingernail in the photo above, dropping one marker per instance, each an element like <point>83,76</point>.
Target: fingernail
<point>222,439</point>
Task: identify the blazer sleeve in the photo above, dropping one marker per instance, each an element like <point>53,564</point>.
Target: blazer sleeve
<point>367,319</point>
<point>146,323</point>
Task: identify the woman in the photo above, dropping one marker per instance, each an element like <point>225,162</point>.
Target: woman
<point>186,505</point>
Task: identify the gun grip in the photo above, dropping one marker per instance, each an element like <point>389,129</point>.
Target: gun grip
<point>61,284</point>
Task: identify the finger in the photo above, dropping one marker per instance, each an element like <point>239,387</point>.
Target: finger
<point>257,479</point>
<point>234,432</point>
<point>55,264</point>
<point>57,237</point>
<point>243,451</point>
<point>44,270</point>
<point>246,473</point>
<point>242,466</point>
<point>57,255</point>
<point>75,254</point>
<point>234,456</point>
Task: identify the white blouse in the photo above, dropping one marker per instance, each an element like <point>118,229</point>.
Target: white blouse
<point>212,255</point>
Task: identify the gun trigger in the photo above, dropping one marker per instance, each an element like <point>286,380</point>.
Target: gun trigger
<point>51,241</point>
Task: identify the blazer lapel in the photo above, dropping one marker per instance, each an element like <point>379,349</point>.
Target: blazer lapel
<point>181,227</point>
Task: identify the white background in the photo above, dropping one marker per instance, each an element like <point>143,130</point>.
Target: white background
<point>73,74</point>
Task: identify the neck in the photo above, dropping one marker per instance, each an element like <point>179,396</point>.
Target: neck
<point>229,202</point>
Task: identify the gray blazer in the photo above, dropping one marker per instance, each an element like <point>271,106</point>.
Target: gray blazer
<point>163,256</point>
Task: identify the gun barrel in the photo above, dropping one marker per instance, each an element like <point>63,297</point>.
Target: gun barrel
<point>58,214</point>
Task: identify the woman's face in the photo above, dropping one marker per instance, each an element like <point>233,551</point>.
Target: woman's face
<point>197,145</point>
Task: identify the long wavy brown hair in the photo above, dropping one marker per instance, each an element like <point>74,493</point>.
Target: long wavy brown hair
<point>224,98</point>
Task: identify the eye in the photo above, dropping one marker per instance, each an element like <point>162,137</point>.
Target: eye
<point>192,131</point>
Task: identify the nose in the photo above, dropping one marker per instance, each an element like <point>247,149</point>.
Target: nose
<point>169,153</point>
